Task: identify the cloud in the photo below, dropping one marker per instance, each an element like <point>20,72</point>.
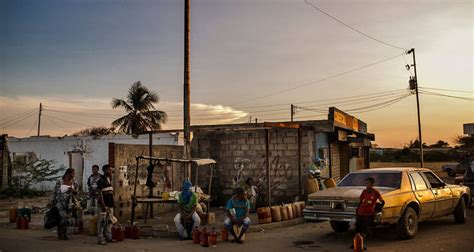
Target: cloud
<point>67,115</point>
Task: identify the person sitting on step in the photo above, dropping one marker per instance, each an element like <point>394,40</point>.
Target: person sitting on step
<point>187,218</point>
<point>237,209</point>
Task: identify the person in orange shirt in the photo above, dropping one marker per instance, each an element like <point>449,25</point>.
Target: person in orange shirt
<point>366,209</point>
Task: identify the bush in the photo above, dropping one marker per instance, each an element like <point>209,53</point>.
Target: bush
<point>30,173</point>
<point>13,192</point>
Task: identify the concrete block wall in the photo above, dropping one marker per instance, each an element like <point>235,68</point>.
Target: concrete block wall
<point>335,161</point>
<point>124,155</point>
<point>241,154</point>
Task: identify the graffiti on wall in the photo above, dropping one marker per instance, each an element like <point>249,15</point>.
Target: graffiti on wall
<point>240,165</point>
<point>280,172</point>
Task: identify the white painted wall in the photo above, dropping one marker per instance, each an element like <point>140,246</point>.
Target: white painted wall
<point>95,149</point>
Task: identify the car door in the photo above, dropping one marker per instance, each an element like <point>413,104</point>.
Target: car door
<point>443,195</point>
<point>423,194</point>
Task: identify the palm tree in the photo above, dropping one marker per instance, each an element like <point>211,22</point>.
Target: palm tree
<point>141,113</point>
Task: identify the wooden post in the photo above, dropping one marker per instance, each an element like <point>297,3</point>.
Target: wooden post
<point>300,184</point>
<point>150,188</point>
<point>134,197</point>
<point>267,165</point>
<point>187,90</point>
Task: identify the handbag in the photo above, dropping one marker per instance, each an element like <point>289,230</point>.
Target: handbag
<point>51,218</point>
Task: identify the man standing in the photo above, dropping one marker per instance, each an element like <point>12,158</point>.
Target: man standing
<point>237,214</point>
<point>92,186</point>
<point>251,192</point>
<point>106,203</point>
<point>187,218</point>
<point>366,209</point>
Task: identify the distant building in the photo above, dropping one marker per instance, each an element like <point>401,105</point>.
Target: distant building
<point>78,152</point>
<point>469,129</point>
<point>242,151</point>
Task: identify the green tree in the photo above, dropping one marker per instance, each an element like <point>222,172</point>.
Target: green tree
<point>33,172</point>
<point>439,144</point>
<point>95,131</point>
<point>466,143</point>
<point>415,144</point>
<point>141,112</point>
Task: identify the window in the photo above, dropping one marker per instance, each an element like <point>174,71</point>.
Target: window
<point>418,181</point>
<point>433,180</point>
<point>382,179</point>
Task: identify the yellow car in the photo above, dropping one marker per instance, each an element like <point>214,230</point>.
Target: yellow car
<point>411,195</point>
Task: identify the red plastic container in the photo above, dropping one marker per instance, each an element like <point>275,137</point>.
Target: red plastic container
<point>114,233</point>
<point>135,232</point>
<point>213,238</point>
<point>81,226</point>
<point>18,222</point>
<point>118,233</point>
<point>196,235</point>
<point>12,214</point>
<point>128,232</point>
<point>224,234</point>
<point>358,243</point>
<point>204,241</point>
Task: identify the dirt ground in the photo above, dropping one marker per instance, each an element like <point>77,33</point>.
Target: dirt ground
<point>438,235</point>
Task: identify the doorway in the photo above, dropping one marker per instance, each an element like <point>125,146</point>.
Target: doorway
<point>76,162</point>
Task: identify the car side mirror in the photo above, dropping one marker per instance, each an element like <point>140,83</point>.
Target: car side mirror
<point>443,184</point>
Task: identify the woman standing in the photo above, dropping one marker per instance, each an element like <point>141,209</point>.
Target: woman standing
<point>64,193</point>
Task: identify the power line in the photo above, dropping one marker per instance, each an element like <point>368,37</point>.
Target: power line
<point>13,117</point>
<point>55,123</point>
<point>357,101</point>
<point>381,104</point>
<point>17,120</point>
<point>449,90</point>
<point>352,28</point>
<point>87,125</point>
<point>380,107</point>
<point>449,96</point>
<point>323,79</point>
<point>32,127</point>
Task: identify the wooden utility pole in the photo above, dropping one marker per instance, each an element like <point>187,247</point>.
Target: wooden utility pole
<point>186,102</point>
<point>414,85</point>
<point>267,166</point>
<point>39,118</point>
<point>292,111</point>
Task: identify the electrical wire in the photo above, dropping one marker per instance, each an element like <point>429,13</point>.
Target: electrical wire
<point>378,105</point>
<point>352,28</point>
<point>13,117</point>
<point>55,123</point>
<point>449,90</point>
<point>17,120</point>
<point>32,127</point>
<point>367,99</point>
<point>406,62</point>
<point>449,96</point>
<point>323,79</point>
<point>64,120</point>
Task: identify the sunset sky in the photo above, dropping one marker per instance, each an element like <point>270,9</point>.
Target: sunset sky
<point>75,55</point>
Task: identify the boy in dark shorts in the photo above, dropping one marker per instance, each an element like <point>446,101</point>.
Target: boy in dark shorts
<point>366,209</point>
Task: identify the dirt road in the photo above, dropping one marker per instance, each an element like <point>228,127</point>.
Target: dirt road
<point>439,235</point>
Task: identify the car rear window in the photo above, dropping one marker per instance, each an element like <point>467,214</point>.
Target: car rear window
<point>382,179</point>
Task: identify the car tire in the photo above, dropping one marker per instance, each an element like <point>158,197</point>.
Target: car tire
<point>407,226</point>
<point>460,213</point>
<point>451,173</point>
<point>340,226</point>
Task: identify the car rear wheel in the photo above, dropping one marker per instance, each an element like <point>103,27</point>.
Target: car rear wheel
<point>408,224</point>
<point>451,173</point>
<point>340,226</point>
<point>460,214</point>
